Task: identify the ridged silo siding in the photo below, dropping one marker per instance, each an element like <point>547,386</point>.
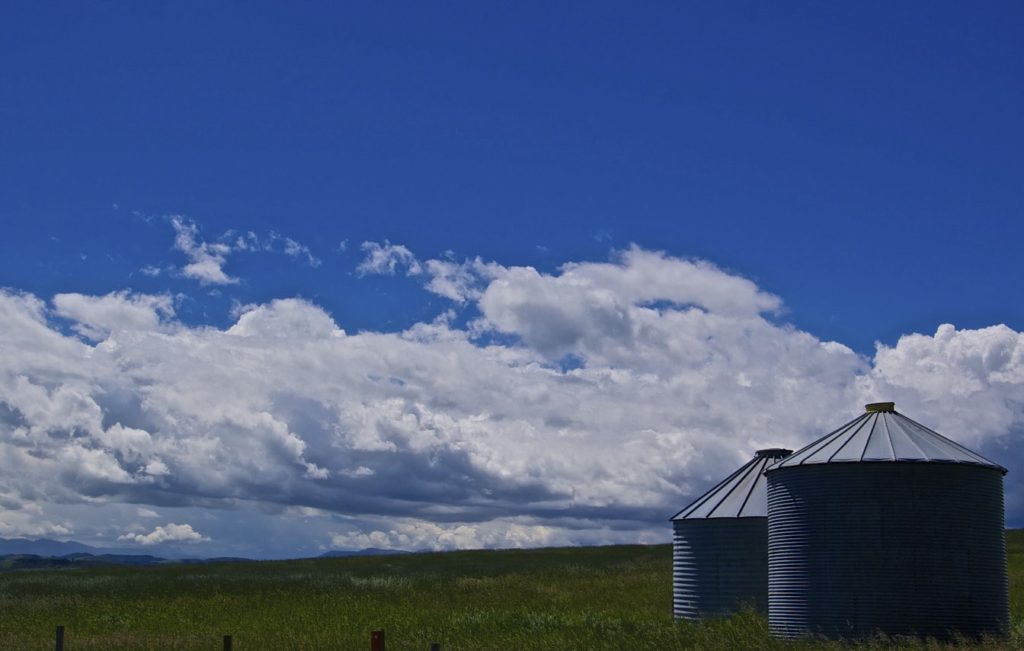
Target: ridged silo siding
<point>900,548</point>
<point>719,566</point>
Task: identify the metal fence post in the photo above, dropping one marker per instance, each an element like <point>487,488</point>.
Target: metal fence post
<point>435,646</point>
<point>377,640</point>
<point>60,638</point>
<point>227,643</point>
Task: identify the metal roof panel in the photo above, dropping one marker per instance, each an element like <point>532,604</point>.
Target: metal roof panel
<point>743,494</point>
<point>854,445</point>
<point>879,447</point>
<point>883,434</point>
<point>801,455</point>
<point>904,447</point>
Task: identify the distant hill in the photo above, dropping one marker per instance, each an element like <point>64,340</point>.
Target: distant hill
<point>34,561</point>
<point>24,553</point>
<point>47,547</point>
<point>44,547</point>
<point>369,551</point>
<point>69,561</point>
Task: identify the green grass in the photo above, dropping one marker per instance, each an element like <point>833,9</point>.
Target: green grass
<point>584,598</point>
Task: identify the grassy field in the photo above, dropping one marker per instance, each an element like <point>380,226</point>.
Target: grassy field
<point>588,598</point>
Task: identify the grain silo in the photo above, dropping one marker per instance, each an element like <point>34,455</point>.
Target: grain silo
<point>720,545</point>
<point>886,526</point>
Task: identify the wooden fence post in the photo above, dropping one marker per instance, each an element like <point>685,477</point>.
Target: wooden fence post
<point>435,646</point>
<point>377,640</point>
<point>227,643</point>
<point>60,638</point>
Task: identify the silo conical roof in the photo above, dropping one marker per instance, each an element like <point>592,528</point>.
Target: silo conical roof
<point>883,434</point>
<point>743,494</point>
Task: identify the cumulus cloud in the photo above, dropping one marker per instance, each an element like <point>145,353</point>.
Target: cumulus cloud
<point>22,517</point>
<point>288,318</point>
<point>954,373</point>
<point>447,433</point>
<point>96,317</point>
<point>602,308</point>
<point>410,534</point>
<point>388,259</point>
<point>168,533</point>
<point>413,535</point>
<point>460,282</point>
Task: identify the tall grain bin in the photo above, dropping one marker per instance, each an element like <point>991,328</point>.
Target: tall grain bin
<point>720,545</point>
<point>886,526</point>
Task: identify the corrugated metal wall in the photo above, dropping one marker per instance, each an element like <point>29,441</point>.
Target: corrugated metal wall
<point>719,566</point>
<point>901,548</point>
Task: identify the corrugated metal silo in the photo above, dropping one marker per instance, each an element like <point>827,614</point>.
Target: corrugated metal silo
<point>886,526</point>
<point>720,545</point>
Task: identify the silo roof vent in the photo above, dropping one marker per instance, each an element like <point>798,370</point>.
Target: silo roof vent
<point>743,494</point>
<point>882,434</point>
<point>874,407</point>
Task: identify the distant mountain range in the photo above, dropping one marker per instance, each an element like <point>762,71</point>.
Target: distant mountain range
<point>44,547</point>
<point>48,547</point>
<point>32,561</point>
<point>369,551</point>
<point>24,553</point>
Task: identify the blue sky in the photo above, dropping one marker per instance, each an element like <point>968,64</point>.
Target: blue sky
<point>863,162</point>
<point>853,174</point>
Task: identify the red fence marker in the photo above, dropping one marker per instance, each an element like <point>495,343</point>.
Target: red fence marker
<point>377,640</point>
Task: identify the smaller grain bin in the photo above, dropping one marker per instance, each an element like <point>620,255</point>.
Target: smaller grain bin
<point>886,526</point>
<point>720,545</point>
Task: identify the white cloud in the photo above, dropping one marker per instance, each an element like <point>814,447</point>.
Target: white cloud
<point>156,467</point>
<point>248,241</point>
<point>417,535</point>
<point>413,535</point>
<point>206,259</point>
<point>476,436</point>
<point>97,316</point>
<point>954,373</point>
<point>146,513</point>
<point>168,533</point>
<point>12,526</point>
<point>289,318</point>
<point>296,250</point>
<point>387,259</point>
<point>597,306</point>
<point>20,518</point>
<point>461,282</point>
